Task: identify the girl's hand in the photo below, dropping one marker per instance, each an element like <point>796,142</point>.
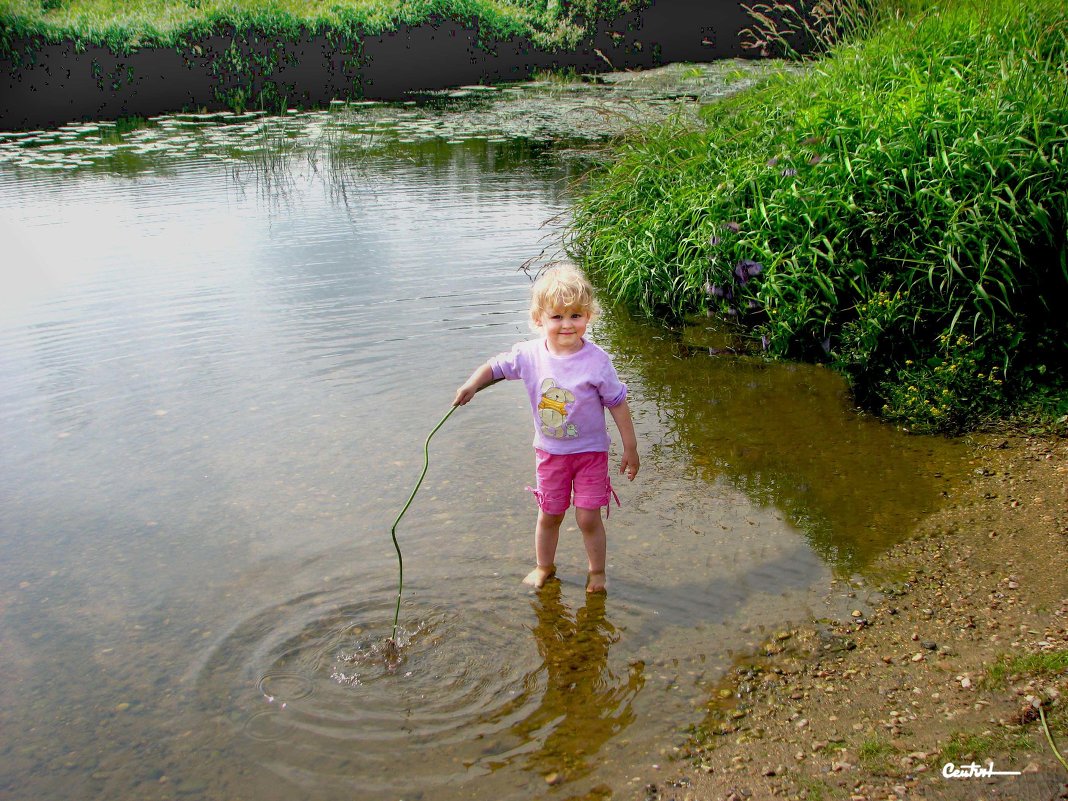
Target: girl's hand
<point>630,463</point>
<point>480,379</point>
<point>464,394</point>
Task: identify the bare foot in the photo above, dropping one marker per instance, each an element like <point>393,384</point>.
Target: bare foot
<point>596,581</point>
<point>538,576</point>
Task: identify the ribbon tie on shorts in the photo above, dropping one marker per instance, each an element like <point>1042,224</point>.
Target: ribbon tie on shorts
<point>539,495</point>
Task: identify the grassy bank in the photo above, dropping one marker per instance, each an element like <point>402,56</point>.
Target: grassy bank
<point>127,26</point>
<point>899,210</point>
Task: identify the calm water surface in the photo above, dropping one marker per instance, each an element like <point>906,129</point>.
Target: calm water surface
<point>217,369</point>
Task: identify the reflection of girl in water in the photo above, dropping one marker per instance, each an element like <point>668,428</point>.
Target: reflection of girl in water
<point>585,703</point>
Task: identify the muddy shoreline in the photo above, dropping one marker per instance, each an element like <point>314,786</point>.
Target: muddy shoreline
<point>45,85</point>
<point>874,704</point>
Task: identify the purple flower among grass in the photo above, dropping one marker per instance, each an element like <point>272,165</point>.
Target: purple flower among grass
<point>746,269</point>
<point>714,290</point>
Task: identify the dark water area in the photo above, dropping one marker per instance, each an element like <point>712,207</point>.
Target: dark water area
<point>222,344</point>
<point>789,437</point>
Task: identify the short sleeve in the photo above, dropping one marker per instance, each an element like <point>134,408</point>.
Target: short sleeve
<point>612,391</point>
<point>507,365</point>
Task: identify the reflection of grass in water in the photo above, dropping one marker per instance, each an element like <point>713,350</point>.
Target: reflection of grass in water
<point>786,436</point>
<point>268,163</point>
<point>282,146</point>
<point>337,142</point>
<point>343,154</point>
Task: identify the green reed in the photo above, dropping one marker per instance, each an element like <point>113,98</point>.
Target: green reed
<point>798,30</point>
<point>903,192</point>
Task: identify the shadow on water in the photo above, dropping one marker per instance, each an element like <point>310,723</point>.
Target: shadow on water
<point>788,436</point>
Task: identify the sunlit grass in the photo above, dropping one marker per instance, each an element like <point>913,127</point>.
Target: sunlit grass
<point>971,747</point>
<point>1046,664</point>
<point>128,25</point>
<point>877,754</point>
<point>905,191</point>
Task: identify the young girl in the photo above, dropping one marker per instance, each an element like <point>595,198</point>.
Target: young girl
<point>570,382</point>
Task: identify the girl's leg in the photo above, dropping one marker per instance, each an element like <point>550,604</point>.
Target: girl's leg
<point>596,541</point>
<point>546,537</point>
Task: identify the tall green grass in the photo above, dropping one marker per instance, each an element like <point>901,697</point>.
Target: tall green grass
<point>126,26</point>
<point>899,210</point>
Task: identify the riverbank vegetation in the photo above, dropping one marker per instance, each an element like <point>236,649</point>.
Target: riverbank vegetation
<point>898,209</point>
<point>125,27</point>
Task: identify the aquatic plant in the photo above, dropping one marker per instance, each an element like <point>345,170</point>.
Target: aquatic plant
<point>904,191</point>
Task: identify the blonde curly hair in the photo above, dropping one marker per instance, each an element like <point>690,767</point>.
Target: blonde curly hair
<point>561,286</point>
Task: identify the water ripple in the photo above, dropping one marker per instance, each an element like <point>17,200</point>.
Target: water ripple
<point>309,686</point>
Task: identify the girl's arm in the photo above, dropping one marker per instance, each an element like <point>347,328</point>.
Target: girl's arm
<point>630,462</point>
<point>481,378</point>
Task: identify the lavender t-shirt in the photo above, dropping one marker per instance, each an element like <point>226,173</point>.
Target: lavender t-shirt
<point>568,394</point>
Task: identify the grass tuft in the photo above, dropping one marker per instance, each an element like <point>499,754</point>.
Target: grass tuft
<point>877,754</point>
<point>1047,664</point>
<point>906,197</point>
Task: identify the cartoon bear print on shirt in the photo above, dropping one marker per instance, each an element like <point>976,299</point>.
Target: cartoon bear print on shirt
<point>553,410</point>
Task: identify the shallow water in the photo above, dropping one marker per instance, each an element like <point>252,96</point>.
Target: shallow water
<point>217,371</point>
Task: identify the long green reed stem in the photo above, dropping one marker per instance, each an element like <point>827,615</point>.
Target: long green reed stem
<point>1049,739</point>
<point>393,531</point>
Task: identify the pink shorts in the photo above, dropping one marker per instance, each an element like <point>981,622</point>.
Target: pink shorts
<point>587,473</point>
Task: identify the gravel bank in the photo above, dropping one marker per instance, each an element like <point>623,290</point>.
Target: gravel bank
<point>916,675</point>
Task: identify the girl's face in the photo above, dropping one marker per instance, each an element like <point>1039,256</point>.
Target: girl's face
<point>564,329</point>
